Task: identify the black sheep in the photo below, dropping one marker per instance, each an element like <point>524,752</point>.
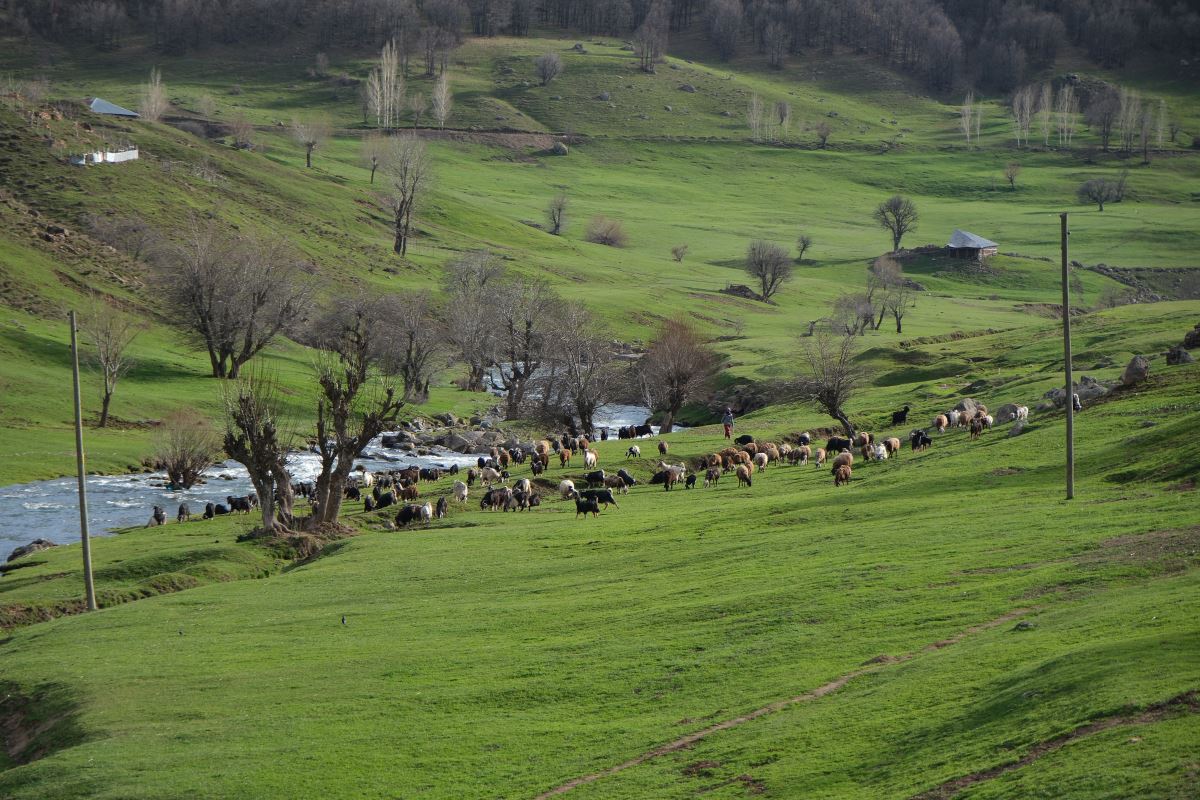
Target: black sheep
<point>585,506</point>
<point>899,417</point>
<point>184,514</point>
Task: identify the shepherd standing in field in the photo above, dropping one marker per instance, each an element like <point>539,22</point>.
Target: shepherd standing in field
<point>727,421</point>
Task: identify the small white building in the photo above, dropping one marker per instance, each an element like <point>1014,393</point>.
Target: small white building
<point>106,156</point>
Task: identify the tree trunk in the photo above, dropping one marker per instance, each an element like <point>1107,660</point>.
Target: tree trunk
<point>308,157</point>
<point>104,410</point>
<point>398,244</point>
<point>373,168</point>
<point>840,416</point>
<point>668,421</point>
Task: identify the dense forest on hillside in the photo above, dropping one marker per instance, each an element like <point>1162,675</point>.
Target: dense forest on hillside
<point>947,44</point>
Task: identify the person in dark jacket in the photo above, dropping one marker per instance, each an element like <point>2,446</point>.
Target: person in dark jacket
<point>727,421</point>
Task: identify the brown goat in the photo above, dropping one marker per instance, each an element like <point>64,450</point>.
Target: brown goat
<point>842,475</point>
<point>743,476</point>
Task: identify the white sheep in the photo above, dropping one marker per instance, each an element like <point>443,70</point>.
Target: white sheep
<point>460,491</point>
<point>879,452</point>
<point>566,489</point>
<point>1022,412</point>
<point>590,459</point>
<point>633,452</point>
<point>760,461</point>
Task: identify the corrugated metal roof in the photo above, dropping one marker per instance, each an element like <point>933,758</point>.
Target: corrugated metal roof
<point>104,107</point>
<point>968,239</point>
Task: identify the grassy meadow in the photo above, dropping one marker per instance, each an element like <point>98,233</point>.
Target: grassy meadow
<point>957,617</point>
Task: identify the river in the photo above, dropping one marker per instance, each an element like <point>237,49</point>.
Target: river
<point>50,510</point>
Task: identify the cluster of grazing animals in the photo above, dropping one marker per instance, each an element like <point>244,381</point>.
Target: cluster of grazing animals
<point>520,501</point>
<point>841,475</point>
<point>711,477</point>
<point>495,498</point>
<point>157,517</point>
<point>760,461</point>
<point>185,513</point>
<point>743,476</point>
<point>590,459</point>
<point>892,443</point>
<point>566,489</point>
<point>690,483</point>
<point>633,452</point>
<point>821,451</point>
<point>662,447</point>
<point>585,507</point>
<point>919,440</point>
<point>460,491</point>
<point>900,417</point>
<point>879,452</point>
<point>410,492</point>
<point>941,422</point>
<point>1022,412</point>
<point>442,507</point>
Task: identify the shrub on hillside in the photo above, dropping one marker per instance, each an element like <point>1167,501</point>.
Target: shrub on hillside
<point>602,230</point>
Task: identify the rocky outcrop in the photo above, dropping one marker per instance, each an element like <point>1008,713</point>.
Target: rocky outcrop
<point>33,547</point>
<point>1136,371</point>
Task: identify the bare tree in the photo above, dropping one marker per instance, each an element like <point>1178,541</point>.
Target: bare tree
<point>899,293</point>
<point>724,23</point>
<point>1011,170</point>
<point>776,40</point>
<point>583,352</point>
<point>522,314</point>
<point>783,115</point>
<point>831,377</point>
<point>234,295</point>
<point>1102,113</point>
<point>803,242</point>
<point>310,134</point>
<point>109,332</point>
<point>852,313</point>
<point>676,369</point>
<point>1066,112</point>
<point>1099,191</point>
<point>131,235</point>
<point>880,277</point>
<point>822,129</point>
<point>756,116</point>
<point>1162,123</point>
<point>374,150</point>
<point>610,232</point>
<point>354,403</point>
<point>442,100</point>
<point>1023,102</point>
<point>769,264</point>
<point>1045,113</point>
<point>187,445</point>
<point>650,39</point>
<point>154,98</point>
<point>898,215</point>
<point>418,105</point>
<point>385,88</point>
<point>412,342</point>
<point>556,212</point>
<point>206,106</point>
<point>1129,114</point>
<point>470,284</point>
<point>548,67</point>
<point>966,116</point>
<point>243,132</point>
<point>407,174</point>
<point>256,439</point>
<point>679,252</point>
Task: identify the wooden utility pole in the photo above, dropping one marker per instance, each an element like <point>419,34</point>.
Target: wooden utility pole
<point>88,584</point>
<point>1070,382</point>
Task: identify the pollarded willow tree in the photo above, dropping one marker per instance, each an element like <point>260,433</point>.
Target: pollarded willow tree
<point>256,438</point>
<point>355,403</point>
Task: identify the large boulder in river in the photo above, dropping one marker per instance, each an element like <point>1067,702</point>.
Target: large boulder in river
<point>1136,371</point>
<point>1006,413</point>
<point>33,547</point>
<point>458,444</point>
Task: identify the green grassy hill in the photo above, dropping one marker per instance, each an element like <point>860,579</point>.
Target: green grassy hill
<point>946,622</point>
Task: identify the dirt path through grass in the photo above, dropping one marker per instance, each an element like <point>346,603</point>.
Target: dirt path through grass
<point>832,686</point>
